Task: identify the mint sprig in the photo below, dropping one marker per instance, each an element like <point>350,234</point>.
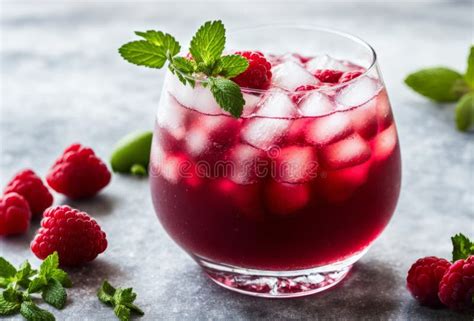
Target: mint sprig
<point>443,84</point>
<point>462,247</point>
<point>206,49</point>
<point>20,284</point>
<point>120,299</point>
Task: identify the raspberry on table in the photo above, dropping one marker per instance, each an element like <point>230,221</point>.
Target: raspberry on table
<point>31,187</point>
<point>328,75</point>
<point>78,173</point>
<point>15,214</point>
<point>73,234</point>
<point>456,289</point>
<point>347,76</point>
<point>424,277</point>
<point>258,75</point>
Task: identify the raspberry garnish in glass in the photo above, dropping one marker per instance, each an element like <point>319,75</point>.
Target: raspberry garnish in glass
<point>275,162</point>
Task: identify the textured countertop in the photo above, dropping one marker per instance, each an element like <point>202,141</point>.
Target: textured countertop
<point>62,81</point>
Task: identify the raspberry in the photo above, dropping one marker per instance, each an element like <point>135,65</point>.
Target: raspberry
<point>15,214</point>
<point>296,97</point>
<point>78,173</point>
<point>347,76</point>
<point>423,279</point>
<point>73,234</point>
<point>31,187</point>
<point>328,75</point>
<point>456,289</point>
<point>258,75</point>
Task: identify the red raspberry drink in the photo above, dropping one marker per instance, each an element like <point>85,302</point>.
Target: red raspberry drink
<point>281,201</point>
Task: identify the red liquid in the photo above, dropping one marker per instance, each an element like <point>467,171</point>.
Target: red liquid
<point>306,217</point>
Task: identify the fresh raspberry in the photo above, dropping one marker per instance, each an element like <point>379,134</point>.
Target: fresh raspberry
<point>78,173</point>
<point>423,279</point>
<point>73,234</point>
<point>258,75</point>
<point>15,214</point>
<point>296,97</point>
<point>31,187</point>
<point>347,76</point>
<point>328,75</point>
<point>456,289</point>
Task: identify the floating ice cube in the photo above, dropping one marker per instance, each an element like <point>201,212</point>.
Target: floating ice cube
<point>277,104</point>
<point>172,116</point>
<point>251,102</point>
<point>385,143</point>
<point>348,152</point>
<point>291,57</point>
<point>290,75</point>
<point>244,160</point>
<point>328,129</point>
<point>316,104</point>
<point>384,112</point>
<point>325,62</point>
<point>197,141</point>
<point>358,92</point>
<point>197,98</point>
<point>264,133</point>
<point>173,167</point>
<point>284,199</point>
<point>245,197</point>
<point>296,164</point>
<point>364,119</point>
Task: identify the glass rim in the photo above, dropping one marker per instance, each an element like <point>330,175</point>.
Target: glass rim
<point>368,70</point>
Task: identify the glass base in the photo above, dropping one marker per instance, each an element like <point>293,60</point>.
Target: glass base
<point>278,284</point>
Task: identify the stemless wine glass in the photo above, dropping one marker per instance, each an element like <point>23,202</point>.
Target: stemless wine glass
<point>282,201</point>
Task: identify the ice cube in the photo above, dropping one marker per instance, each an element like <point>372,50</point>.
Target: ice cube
<point>364,119</point>
<point>384,143</point>
<point>328,129</point>
<point>316,104</point>
<point>277,104</point>
<point>251,102</point>
<point>325,62</point>
<point>197,98</point>
<point>172,116</point>
<point>246,162</point>
<point>384,112</point>
<point>291,57</point>
<point>348,152</point>
<point>357,93</point>
<point>264,133</point>
<point>296,164</point>
<point>172,167</point>
<point>197,141</point>
<point>290,75</point>
<point>285,199</point>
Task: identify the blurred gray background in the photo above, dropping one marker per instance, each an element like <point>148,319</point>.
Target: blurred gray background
<point>62,81</point>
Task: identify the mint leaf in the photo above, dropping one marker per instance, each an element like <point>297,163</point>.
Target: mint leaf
<point>62,277</point>
<point>122,312</point>
<point>122,296</point>
<point>160,39</point>
<point>49,269</point>
<point>184,65</point>
<point>37,284</point>
<point>228,95</point>
<point>24,273</point>
<point>32,312</point>
<point>143,53</point>
<point>134,308</point>
<point>232,65</point>
<point>54,294</point>
<point>8,307</point>
<point>462,247</point>
<point>465,112</point>
<point>7,272</point>
<point>440,84</point>
<point>49,264</point>
<point>469,76</point>
<point>106,293</point>
<point>208,43</point>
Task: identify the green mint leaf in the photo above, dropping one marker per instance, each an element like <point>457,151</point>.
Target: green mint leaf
<point>7,271</point>
<point>8,307</point>
<point>183,65</point>
<point>465,112</point>
<point>122,312</point>
<point>62,277</point>
<point>469,76</point>
<point>208,43</point>
<point>462,247</point>
<point>440,84</point>
<point>32,312</point>
<point>143,53</point>
<point>228,95</point>
<point>54,294</point>
<point>232,65</point>
<point>123,296</point>
<point>37,284</point>
<point>106,293</point>
<point>134,308</point>
<point>49,264</point>
<point>164,40</point>
<point>25,272</point>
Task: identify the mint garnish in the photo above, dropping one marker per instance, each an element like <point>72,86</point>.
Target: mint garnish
<point>120,299</point>
<point>443,84</point>
<point>462,247</point>
<point>206,50</point>
<point>20,284</point>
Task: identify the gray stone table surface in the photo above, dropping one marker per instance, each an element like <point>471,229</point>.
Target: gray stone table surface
<point>62,81</point>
